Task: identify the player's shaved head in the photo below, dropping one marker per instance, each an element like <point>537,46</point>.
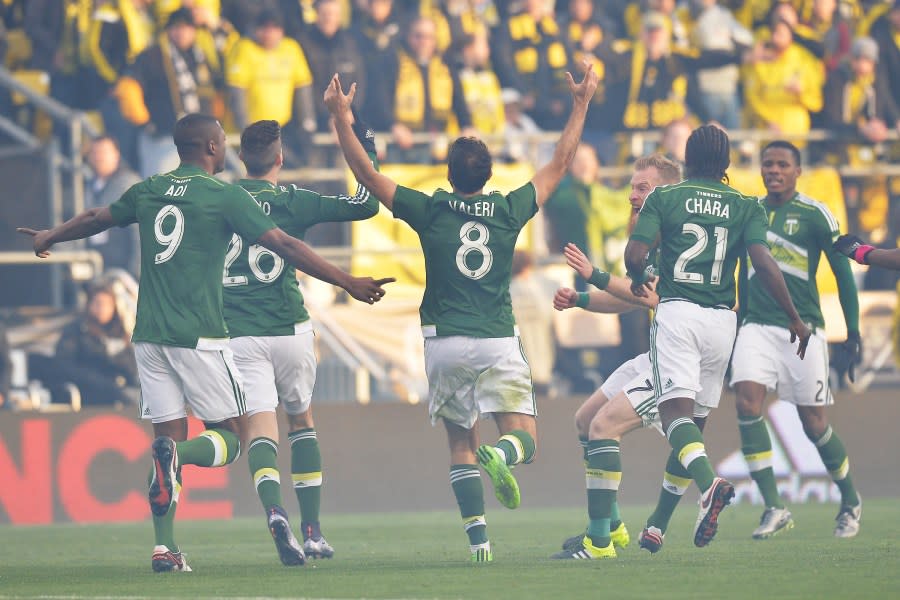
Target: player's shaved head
<point>193,133</point>
<point>261,147</point>
<point>469,165</point>
<point>784,145</point>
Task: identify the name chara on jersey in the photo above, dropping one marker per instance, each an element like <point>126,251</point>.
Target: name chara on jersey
<point>706,205</point>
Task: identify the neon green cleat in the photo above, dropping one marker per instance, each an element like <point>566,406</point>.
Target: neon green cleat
<point>482,553</point>
<point>506,489</point>
<point>587,550</point>
<point>619,536</point>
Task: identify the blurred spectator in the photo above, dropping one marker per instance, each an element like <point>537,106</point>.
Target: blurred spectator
<point>470,17</point>
<point>529,291</point>
<point>674,20</point>
<point>420,93</point>
<point>674,139</point>
<point>588,214</point>
<point>858,104</point>
<point>783,85</point>
<point>243,14</point>
<point>715,28</point>
<point>16,51</point>
<point>331,49</point>
<point>214,34</point>
<point>376,30</point>
<point>167,81</point>
<point>5,367</point>
<point>480,85</point>
<point>119,246</point>
<point>586,28</point>
<point>94,352</point>
<point>517,127</point>
<point>268,78</point>
<point>885,31</point>
<point>530,55</point>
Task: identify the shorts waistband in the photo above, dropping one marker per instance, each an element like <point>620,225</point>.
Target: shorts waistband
<point>716,306</point>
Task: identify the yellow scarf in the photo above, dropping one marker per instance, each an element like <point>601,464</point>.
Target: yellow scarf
<point>409,98</point>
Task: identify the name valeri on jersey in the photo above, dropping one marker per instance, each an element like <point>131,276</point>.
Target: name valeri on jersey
<point>475,209</point>
<point>706,204</point>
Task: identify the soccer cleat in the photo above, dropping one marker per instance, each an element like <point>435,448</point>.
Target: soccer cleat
<point>166,561</point>
<point>651,539</point>
<point>619,536</point>
<point>289,550</point>
<point>586,550</point>
<point>314,543</point>
<point>773,521</point>
<point>162,486</point>
<point>848,521</point>
<point>506,489</point>
<point>712,501</point>
<point>482,553</point>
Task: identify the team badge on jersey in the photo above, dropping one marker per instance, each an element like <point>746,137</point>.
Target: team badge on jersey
<point>791,225</point>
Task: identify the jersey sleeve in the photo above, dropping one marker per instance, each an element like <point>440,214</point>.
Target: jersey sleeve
<point>244,215</point>
<point>827,229</point>
<point>649,221</point>
<point>239,73</point>
<point>124,210</point>
<point>308,207</point>
<point>522,204</point>
<point>412,207</point>
<point>756,227</point>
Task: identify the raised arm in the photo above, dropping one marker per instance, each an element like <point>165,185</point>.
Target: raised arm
<point>339,105</point>
<point>301,256</point>
<point>88,223</point>
<point>549,176</point>
<point>865,254</point>
<point>771,277</point>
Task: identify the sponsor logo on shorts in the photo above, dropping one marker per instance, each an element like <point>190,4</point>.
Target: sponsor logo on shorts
<point>799,471</point>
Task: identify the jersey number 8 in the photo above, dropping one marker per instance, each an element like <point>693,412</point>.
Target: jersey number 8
<point>474,237</point>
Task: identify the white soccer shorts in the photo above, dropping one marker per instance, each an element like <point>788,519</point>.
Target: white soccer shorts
<point>764,354</point>
<point>173,379</point>
<point>635,378</point>
<point>689,350</point>
<point>469,376</point>
<point>277,368</point>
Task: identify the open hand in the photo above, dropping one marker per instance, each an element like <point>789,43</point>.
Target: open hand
<point>578,260</point>
<point>800,331</point>
<point>564,298</point>
<point>41,240</point>
<point>337,101</point>
<point>368,290</point>
<point>584,91</point>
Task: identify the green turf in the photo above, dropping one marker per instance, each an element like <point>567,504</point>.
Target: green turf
<point>424,555</point>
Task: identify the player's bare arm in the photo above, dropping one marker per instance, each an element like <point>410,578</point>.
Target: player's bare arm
<point>773,280</point>
<point>339,104</point>
<point>615,288</point>
<point>854,248</point>
<point>301,256</point>
<point>549,176</point>
<point>88,223</point>
<point>636,253</point>
<point>595,301</point>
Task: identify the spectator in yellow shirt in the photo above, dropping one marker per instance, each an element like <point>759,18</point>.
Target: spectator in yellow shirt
<point>783,85</point>
<point>268,78</point>
<point>480,85</point>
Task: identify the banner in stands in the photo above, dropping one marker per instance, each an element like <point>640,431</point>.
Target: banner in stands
<point>93,466</point>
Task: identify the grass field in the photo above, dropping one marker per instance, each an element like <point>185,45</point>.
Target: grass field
<point>424,555</point>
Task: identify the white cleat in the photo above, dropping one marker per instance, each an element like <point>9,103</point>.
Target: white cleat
<point>848,521</point>
<point>772,522</point>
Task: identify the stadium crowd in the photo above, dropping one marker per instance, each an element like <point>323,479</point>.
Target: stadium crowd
<point>488,67</point>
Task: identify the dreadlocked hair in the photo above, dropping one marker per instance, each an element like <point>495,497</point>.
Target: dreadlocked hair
<point>260,147</point>
<point>708,154</point>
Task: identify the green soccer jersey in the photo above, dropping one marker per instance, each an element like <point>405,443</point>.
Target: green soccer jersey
<point>799,231</point>
<point>704,228</point>
<point>261,293</point>
<point>185,218</point>
<point>468,245</point>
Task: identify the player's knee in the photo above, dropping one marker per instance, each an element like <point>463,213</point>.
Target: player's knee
<point>814,425</point>
<point>747,405</point>
<point>583,421</point>
<point>605,428</point>
<point>302,421</point>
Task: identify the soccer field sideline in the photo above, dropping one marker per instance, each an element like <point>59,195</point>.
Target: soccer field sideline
<point>424,555</point>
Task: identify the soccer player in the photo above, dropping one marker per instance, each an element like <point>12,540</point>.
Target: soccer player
<point>853,247</point>
<point>186,218</point>
<point>703,226</point>
<point>272,336</point>
<point>800,230</point>
<point>473,357</point>
<point>625,401</point>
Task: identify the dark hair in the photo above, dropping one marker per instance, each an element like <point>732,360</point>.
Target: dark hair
<point>260,145</point>
<point>469,164</point>
<point>106,138</point>
<point>708,154</point>
<point>784,145</point>
<point>193,132</point>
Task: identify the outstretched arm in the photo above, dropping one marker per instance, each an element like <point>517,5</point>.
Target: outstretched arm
<point>301,256</point>
<point>767,269</point>
<point>549,176</point>
<point>88,223</point>
<point>339,104</point>
<point>854,248</point>
<point>617,287</point>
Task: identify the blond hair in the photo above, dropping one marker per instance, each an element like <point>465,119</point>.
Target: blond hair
<point>669,170</point>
